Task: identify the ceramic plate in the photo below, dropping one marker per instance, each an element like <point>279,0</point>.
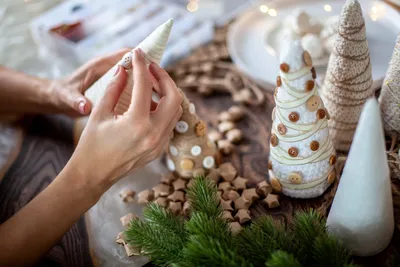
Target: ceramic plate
<point>246,40</point>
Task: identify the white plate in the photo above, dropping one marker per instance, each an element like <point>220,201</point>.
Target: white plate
<point>247,49</point>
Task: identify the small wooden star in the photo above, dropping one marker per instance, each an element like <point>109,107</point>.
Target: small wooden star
<point>240,183</point>
<point>120,238</point>
<point>225,186</point>
<point>177,196</point>
<point>263,188</point>
<point>235,227</point>
<point>125,220</point>
<point>242,203</point>
<point>127,195</point>
<point>227,215</point>
<point>250,194</point>
<point>131,250</point>
<point>167,178</point>
<point>272,201</point>
<point>162,190</point>
<point>228,171</point>
<point>175,207</point>
<point>226,204</point>
<point>243,216</point>
<point>186,208</point>
<point>162,201</point>
<point>214,174</point>
<point>179,184</point>
<point>231,195</point>
<point>145,196</point>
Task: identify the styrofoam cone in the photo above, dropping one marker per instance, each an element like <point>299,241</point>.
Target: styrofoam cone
<point>362,211</point>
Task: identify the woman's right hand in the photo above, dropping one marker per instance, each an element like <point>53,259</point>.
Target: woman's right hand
<point>110,145</point>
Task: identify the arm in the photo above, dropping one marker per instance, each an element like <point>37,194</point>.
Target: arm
<point>21,93</point>
<point>133,139</point>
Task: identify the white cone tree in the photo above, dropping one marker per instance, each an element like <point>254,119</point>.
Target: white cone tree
<point>362,211</point>
<point>389,99</point>
<point>348,80</point>
<point>302,156</point>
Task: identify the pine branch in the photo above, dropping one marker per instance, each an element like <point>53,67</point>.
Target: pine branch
<point>329,252</point>
<point>282,259</point>
<point>214,227</point>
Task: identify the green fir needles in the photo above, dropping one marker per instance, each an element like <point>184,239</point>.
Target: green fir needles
<point>205,239</point>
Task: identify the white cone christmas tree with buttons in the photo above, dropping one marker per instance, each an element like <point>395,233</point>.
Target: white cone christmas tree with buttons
<point>362,210</point>
<point>190,153</point>
<point>389,99</point>
<point>348,80</point>
<point>302,156</point>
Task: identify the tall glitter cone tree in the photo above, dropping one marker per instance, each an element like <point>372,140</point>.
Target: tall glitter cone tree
<point>302,156</point>
<point>190,152</point>
<point>349,78</point>
<point>389,99</point>
<point>153,47</point>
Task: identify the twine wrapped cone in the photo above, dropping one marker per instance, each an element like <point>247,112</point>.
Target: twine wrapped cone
<point>389,99</point>
<point>349,78</point>
<point>302,156</point>
<point>190,152</point>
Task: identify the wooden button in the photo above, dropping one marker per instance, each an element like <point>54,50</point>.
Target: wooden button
<point>295,178</point>
<point>321,113</point>
<point>332,160</point>
<point>281,129</point>
<point>274,140</point>
<point>278,81</point>
<point>307,59</point>
<point>314,73</point>
<point>284,67</point>
<point>294,116</point>
<point>309,85</point>
<point>313,103</point>
<point>293,152</point>
<point>331,177</point>
<point>186,164</point>
<point>270,165</point>
<point>314,145</point>
<point>276,185</point>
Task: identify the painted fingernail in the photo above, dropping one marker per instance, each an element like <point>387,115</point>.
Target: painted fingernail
<point>81,107</point>
<point>116,70</point>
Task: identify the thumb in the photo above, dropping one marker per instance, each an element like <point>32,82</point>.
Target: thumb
<point>113,92</point>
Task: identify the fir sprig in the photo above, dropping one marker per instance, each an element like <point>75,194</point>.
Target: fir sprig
<point>282,259</point>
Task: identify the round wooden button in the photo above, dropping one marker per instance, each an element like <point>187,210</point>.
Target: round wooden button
<point>331,177</point>
<point>309,85</point>
<point>284,67</point>
<point>294,116</point>
<point>307,59</point>
<point>293,152</point>
<point>274,140</point>
<point>321,113</point>
<point>314,145</point>
<point>276,185</point>
<point>314,73</point>
<point>313,103</point>
<point>295,178</point>
<point>332,160</point>
<point>278,81</point>
<point>270,165</point>
<point>281,129</point>
<point>187,164</point>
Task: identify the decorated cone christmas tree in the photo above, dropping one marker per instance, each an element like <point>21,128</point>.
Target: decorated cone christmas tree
<point>153,47</point>
<point>190,153</point>
<point>389,99</point>
<point>302,156</point>
<point>348,79</point>
<point>362,210</point>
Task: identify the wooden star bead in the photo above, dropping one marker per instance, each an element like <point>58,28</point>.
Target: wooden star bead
<point>179,184</point>
<point>177,196</point>
<point>145,196</point>
<point>125,220</point>
<point>226,205</point>
<point>242,203</point>
<point>225,186</point>
<point>231,195</point>
<point>225,116</point>
<point>236,112</point>
<point>228,171</point>
<point>215,136</point>
<point>235,227</point>
<point>186,208</point>
<point>272,201</point>
<point>175,207</point>
<point>243,216</point>
<point>127,195</point>
<point>240,183</point>
<point>227,215</point>
<point>199,172</point>
<point>225,126</point>
<point>214,174</point>
<point>120,238</point>
<point>162,201</point>
<point>263,188</point>
<point>131,250</point>
<point>167,178</point>
<point>284,67</point>
<point>250,194</point>
<point>162,190</point>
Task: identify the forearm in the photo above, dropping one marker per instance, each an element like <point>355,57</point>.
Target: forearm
<point>30,233</point>
<point>21,93</point>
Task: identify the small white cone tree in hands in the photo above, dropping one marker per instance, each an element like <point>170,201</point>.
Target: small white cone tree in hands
<point>302,156</point>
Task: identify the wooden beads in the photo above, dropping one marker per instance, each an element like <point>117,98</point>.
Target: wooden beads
<point>295,178</point>
<point>321,113</point>
<point>294,116</point>
<point>314,145</point>
<point>332,160</point>
<point>278,81</point>
<point>186,164</point>
<point>284,67</point>
<point>276,185</point>
<point>331,177</point>
<point>313,103</point>
<point>282,129</point>
<point>274,140</point>
<point>293,152</point>
<point>270,165</point>
<point>314,73</point>
<point>309,85</point>
<point>307,59</point>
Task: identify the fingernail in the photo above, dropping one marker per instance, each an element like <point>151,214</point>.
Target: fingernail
<point>81,107</point>
<point>116,70</point>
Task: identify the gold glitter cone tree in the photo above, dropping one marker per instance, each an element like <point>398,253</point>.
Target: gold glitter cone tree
<point>348,80</point>
<point>190,152</point>
<point>302,156</point>
<point>389,100</point>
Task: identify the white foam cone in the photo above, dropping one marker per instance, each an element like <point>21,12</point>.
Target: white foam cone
<point>362,210</point>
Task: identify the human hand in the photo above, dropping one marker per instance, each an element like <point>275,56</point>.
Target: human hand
<point>66,95</point>
<point>111,145</point>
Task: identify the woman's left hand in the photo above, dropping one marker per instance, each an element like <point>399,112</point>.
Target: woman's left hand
<point>66,95</point>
